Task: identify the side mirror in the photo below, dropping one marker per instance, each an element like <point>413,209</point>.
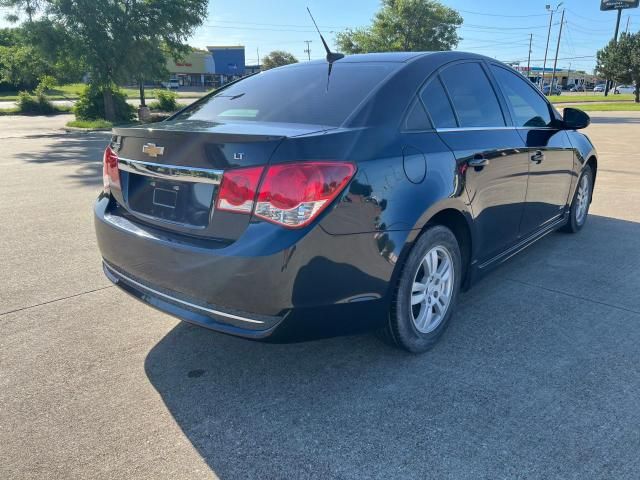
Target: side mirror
<point>574,119</point>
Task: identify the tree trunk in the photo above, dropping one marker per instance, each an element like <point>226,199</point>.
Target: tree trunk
<point>638,91</point>
<point>109,109</point>
<point>142,99</point>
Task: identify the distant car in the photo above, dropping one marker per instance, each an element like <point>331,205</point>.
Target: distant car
<point>624,89</point>
<point>555,91</point>
<point>171,84</point>
<point>577,88</point>
<point>599,88</point>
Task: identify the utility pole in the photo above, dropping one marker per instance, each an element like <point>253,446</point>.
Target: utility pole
<point>258,53</point>
<point>546,50</point>
<point>615,40</point>
<point>555,63</point>
<point>529,59</point>
<point>627,29</point>
<point>308,49</point>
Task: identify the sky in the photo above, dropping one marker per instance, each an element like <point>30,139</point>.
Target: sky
<point>499,29</point>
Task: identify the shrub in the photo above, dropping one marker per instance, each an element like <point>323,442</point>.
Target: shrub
<point>166,100</point>
<point>35,104</point>
<point>90,104</point>
<point>47,83</point>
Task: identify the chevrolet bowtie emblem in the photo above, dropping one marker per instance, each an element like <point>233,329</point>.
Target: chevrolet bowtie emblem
<point>151,149</point>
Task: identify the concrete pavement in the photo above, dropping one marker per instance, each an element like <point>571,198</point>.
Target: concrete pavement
<point>537,377</point>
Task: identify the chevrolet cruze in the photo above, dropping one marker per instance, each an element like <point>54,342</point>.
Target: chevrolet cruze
<point>321,199</point>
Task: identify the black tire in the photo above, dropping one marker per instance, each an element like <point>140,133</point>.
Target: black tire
<point>575,224</point>
<point>401,330</point>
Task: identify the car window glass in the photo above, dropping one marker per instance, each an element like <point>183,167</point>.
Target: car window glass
<point>297,93</point>
<point>417,118</point>
<point>472,96</point>
<point>529,109</point>
<point>438,106</point>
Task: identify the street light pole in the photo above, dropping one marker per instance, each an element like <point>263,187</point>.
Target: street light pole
<point>546,50</point>
<point>615,40</point>
<point>529,59</point>
<point>555,63</point>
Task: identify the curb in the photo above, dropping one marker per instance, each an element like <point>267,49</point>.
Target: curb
<point>85,130</point>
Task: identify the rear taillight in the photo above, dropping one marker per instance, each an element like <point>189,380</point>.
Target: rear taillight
<point>238,189</point>
<point>291,194</point>
<point>110,173</point>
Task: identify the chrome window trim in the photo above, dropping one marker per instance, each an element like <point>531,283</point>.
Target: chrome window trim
<point>177,300</point>
<point>171,172</point>
<point>473,129</point>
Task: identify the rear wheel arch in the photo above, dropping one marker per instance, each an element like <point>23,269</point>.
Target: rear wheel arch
<point>456,221</point>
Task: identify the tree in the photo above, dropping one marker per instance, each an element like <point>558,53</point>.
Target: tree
<point>122,39</point>
<point>621,61</point>
<point>30,7</point>
<point>405,25</point>
<point>278,58</point>
<point>21,66</point>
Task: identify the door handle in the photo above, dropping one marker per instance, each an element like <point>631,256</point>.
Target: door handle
<point>538,157</point>
<point>478,161</point>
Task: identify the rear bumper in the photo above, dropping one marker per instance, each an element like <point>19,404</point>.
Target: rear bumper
<point>271,283</point>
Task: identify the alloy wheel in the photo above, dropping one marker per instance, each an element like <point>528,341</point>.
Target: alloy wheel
<point>582,200</point>
<point>432,289</point>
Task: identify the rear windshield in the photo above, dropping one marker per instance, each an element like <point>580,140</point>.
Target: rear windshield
<point>296,94</point>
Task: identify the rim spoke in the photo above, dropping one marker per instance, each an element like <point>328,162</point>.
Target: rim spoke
<point>419,298</point>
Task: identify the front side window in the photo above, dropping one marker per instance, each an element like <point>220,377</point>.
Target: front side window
<point>529,109</point>
<point>472,96</point>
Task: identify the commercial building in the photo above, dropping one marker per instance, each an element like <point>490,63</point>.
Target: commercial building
<point>563,76</point>
<point>208,68</point>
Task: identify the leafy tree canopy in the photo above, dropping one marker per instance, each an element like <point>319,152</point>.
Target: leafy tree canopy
<point>119,39</point>
<point>405,25</point>
<point>621,61</point>
<point>277,58</point>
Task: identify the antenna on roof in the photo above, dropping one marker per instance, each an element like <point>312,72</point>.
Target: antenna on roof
<point>331,56</point>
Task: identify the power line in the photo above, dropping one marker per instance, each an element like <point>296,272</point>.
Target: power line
<point>501,16</point>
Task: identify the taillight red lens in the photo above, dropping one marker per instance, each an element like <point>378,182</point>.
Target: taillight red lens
<point>238,189</point>
<point>110,173</point>
<point>294,194</point>
<point>291,194</point>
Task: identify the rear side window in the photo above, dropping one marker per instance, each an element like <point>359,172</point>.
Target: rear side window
<point>529,109</point>
<point>472,96</point>
<point>294,94</point>
<point>417,118</point>
<point>438,106</point>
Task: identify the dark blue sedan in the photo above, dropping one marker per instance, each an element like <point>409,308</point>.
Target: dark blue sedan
<point>305,202</point>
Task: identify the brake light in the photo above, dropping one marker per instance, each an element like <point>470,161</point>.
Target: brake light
<point>294,194</point>
<point>291,195</point>
<point>238,189</point>
<point>110,173</point>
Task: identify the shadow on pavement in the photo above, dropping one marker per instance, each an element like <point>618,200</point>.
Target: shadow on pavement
<point>537,377</point>
<point>82,151</point>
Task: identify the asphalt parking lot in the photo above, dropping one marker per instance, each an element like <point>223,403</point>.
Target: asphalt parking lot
<point>537,377</point>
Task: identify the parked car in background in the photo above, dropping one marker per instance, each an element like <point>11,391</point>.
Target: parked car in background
<point>620,89</point>
<point>172,84</point>
<point>599,88</point>
<point>577,88</point>
<point>547,90</point>
<point>305,202</point>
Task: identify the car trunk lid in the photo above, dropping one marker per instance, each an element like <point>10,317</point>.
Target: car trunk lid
<point>170,173</point>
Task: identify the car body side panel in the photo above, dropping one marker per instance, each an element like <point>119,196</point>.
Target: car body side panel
<point>549,179</point>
